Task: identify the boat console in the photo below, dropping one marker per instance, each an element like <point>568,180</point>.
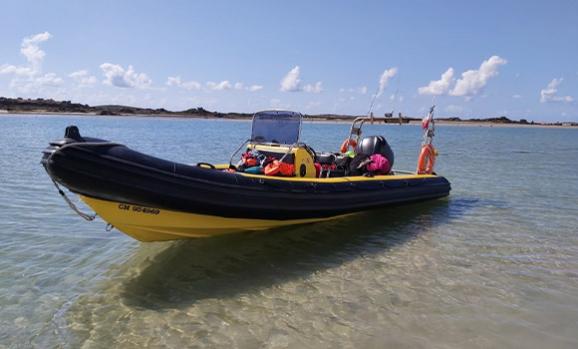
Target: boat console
<point>275,136</point>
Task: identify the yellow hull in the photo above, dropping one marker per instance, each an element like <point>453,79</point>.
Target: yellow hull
<point>152,224</point>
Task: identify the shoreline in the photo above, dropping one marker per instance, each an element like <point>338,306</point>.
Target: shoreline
<point>308,119</point>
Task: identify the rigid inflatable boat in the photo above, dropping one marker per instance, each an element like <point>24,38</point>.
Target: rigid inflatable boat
<point>152,199</point>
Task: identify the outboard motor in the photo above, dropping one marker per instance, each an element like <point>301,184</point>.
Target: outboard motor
<point>375,145</point>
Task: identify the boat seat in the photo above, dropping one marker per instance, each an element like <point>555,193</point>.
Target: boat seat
<point>325,158</point>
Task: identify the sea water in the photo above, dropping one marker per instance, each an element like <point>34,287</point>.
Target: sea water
<point>494,265</point>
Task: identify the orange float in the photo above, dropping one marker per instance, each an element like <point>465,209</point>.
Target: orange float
<point>346,144</point>
<point>426,160</point>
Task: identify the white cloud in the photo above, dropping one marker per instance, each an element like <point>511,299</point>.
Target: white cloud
<point>291,81</point>
<point>316,88</point>
<point>33,54</point>
<point>16,70</point>
<point>174,81</point>
<point>191,85</point>
<point>255,88</point>
<point>187,85</point>
<point>384,79</point>
<point>36,83</point>
<point>30,49</point>
<point>83,78</point>
<point>516,96</point>
<point>210,85</point>
<point>241,87</point>
<point>361,90</point>
<point>49,79</point>
<point>116,75</point>
<point>550,93</point>
<point>473,81</point>
<point>438,87</point>
<point>29,78</point>
<point>223,85</point>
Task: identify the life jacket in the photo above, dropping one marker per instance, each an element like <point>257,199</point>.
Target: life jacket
<point>277,167</point>
<point>249,160</point>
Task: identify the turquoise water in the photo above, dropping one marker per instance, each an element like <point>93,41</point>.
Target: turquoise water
<point>494,265</point>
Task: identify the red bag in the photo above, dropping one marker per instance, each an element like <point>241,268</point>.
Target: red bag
<point>379,164</point>
<point>318,168</point>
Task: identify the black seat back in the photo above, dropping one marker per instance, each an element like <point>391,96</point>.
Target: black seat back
<point>375,145</point>
<point>325,158</point>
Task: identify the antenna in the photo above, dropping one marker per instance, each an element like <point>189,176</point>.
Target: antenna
<point>369,112</point>
<point>396,94</point>
<point>373,101</point>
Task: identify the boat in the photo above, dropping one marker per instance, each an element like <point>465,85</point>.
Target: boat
<point>153,199</point>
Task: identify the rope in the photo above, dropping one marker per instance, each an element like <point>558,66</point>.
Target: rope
<point>430,131</point>
<point>72,205</point>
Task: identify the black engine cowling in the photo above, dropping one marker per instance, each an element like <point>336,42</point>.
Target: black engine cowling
<point>375,145</point>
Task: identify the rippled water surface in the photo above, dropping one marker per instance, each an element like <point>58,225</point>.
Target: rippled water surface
<point>495,265</point>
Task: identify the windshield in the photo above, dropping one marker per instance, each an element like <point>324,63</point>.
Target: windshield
<point>282,127</point>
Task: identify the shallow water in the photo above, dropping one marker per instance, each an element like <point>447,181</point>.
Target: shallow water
<point>493,265</point>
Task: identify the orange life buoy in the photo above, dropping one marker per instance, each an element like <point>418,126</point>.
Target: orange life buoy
<point>346,144</point>
<point>426,160</point>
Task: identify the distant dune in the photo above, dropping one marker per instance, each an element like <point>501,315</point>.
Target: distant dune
<point>50,106</point>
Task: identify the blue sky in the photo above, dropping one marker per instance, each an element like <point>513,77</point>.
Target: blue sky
<point>490,58</point>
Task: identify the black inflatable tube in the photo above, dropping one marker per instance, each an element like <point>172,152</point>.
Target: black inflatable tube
<point>113,172</point>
